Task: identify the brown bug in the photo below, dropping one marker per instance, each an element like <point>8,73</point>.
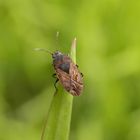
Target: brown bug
<point>66,71</point>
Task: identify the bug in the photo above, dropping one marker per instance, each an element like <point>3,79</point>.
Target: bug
<point>67,72</point>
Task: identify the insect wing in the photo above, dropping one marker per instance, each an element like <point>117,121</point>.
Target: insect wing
<point>76,80</point>
<point>64,79</point>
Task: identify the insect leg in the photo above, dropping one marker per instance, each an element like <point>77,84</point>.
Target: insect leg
<point>82,74</point>
<point>56,89</point>
<point>77,66</point>
<point>54,75</point>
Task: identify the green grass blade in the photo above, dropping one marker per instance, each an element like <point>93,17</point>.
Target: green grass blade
<point>59,117</point>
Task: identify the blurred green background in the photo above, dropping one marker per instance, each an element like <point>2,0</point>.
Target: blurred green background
<point>108,54</point>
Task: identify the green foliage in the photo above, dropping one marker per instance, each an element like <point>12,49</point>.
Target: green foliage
<point>108,54</point>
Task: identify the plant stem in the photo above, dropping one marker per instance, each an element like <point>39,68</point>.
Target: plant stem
<point>57,126</point>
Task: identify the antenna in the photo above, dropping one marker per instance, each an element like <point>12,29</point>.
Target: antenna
<point>57,34</point>
<point>57,39</point>
<point>42,49</point>
<point>45,50</point>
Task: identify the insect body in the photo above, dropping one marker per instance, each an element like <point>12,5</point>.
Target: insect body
<point>67,73</point>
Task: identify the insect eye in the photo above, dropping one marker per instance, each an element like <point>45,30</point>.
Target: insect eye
<point>58,53</point>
